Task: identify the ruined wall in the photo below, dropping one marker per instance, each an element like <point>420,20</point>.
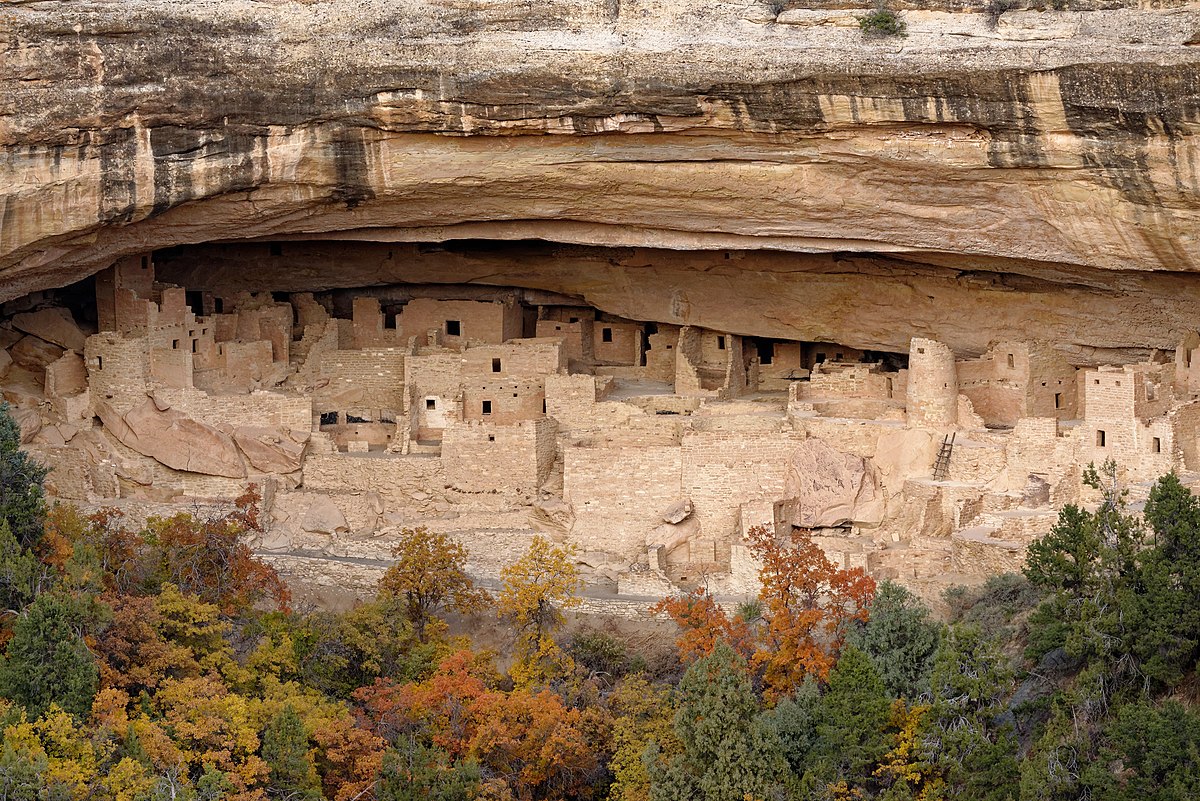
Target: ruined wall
<point>364,379</point>
<point>619,494</point>
<point>477,321</point>
<point>503,401</point>
<point>724,469</point>
<point>486,457</point>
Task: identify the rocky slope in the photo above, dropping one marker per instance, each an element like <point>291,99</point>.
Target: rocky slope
<point>1050,148</point>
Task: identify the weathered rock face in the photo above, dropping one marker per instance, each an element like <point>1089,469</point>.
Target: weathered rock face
<point>1054,150</point>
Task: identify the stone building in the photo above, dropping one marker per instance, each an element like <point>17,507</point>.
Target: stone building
<point>651,447</point>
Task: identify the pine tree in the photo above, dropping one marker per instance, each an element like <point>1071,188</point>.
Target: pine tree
<point>285,750</point>
<point>901,639</point>
<point>427,773</point>
<point>729,752</point>
<point>852,718</point>
<point>47,659</point>
<point>22,501</point>
<point>21,573</point>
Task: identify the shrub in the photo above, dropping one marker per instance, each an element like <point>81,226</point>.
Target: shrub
<point>882,22</point>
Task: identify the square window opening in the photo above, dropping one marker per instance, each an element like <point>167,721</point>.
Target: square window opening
<point>453,328</point>
<point>491,437</point>
<point>495,365</point>
<point>487,407</point>
<point>606,334</point>
<point>430,403</point>
<point>174,344</point>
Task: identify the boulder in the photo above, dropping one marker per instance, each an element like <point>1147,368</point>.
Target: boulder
<point>29,421</point>
<point>678,511</point>
<point>174,439</point>
<point>34,353</point>
<point>831,488</point>
<point>54,325</point>
<point>269,449</point>
<point>671,536</point>
<point>6,362</point>
<point>324,517</point>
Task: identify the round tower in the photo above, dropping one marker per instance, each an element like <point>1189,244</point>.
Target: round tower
<point>932,385</point>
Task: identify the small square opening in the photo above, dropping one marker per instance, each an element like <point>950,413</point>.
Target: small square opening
<point>606,334</point>
<point>1096,381</point>
<point>487,407</point>
<point>174,344</point>
<point>820,358</point>
<point>495,365</point>
<point>920,350</point>
<point>430,403</point>
<point>453,328</point>
<point>491,437</point>
<point>1099,438</point>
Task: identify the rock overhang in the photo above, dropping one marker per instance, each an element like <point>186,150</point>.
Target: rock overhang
<point>1058,149</point>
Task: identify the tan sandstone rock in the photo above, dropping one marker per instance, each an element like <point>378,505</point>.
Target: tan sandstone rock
<point>270,450</point>
<point>831,488</point>
<point>53,325</point>
<point>174,439</point>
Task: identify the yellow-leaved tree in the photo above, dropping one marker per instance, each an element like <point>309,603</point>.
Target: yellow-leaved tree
<point>430,575</point>
<point>537,588</point>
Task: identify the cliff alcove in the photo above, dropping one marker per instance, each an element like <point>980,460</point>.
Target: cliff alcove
<point>251,226</point>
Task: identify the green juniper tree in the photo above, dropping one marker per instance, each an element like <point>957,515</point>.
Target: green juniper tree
<point>729,752</point>
<point>22,501</point>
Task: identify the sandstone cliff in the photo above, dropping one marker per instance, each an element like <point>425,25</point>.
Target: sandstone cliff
<point>1047,149</point>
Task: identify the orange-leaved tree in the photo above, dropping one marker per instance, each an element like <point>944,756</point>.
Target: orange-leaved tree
<point>530,745</point>
<point>808,605</point>
<point>537,587</point>
<point>207,557</point>
<point>703,624</point>
<point>430,575</point>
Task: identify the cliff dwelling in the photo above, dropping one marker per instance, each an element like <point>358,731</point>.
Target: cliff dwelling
<point>588,284</point>
<point>495,412</point>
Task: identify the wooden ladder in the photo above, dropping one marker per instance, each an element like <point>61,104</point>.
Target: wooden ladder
<point>941,468</point>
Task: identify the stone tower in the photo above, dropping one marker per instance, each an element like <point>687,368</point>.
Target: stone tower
<point>932,385</point>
